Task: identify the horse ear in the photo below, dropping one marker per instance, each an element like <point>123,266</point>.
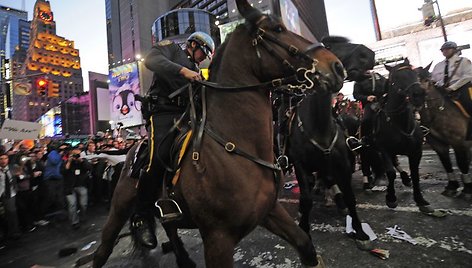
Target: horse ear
<point>428,66</point>
<point>247,11</point>
<point>389,68</point>
<point>406,61</point>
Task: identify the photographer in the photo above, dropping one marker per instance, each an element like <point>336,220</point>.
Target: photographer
<point>75,181</point>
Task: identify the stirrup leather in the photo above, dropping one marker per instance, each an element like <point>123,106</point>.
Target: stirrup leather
<point>174,213</point>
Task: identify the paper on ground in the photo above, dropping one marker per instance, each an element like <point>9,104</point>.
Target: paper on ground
<point>365,227</point>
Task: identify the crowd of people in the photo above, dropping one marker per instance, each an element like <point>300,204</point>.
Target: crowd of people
<point>55,182</point>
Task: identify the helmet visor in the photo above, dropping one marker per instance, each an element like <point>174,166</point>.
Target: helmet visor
<point>206,50</point>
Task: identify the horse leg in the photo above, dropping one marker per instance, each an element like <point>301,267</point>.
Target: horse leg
<point>366,170</point>
<point>414,162</point>
<point>306,199</point>
<point>218,247</point>
<point>120,211</point>
<point>346,187</point>
<point>279,222</point>
<point>390,198</point>
<point>406,180</point>
<point>442,150</point>
<point>181,255</point>
<point>463,161</point>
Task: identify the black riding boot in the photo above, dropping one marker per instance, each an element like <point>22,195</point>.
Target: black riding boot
<point>142,222</point>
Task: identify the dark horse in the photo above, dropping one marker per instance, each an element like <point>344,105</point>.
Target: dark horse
<point>229,190</point>
<point>396,131</point>
<point>447,128</point>
<point>317,143</point>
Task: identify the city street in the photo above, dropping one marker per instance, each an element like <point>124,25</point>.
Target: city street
<point>440,242</point>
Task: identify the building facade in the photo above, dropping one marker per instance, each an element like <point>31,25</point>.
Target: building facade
<point>129,32</point>
<point>11,27</point>
<point>50,59</point>
<point>421,43</point>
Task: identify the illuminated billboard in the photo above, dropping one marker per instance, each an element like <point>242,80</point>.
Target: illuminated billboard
<point>124,84</point>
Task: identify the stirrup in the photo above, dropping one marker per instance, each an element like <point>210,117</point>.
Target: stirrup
<point>351,140</point>
<point>283,162</point>
<point>168,210</point>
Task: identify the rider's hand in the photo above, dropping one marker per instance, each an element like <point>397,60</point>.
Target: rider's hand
<point>190,75</point>
<point>371,98</point>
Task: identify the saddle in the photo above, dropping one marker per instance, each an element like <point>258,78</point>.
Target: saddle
<point>461,98</point>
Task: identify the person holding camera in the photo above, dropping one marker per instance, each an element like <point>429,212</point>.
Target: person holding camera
<point>75,186</point>
<point>53,179</point>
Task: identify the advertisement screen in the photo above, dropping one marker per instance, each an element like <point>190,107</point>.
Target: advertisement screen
<point>290,16</point>
<point>124,83</point>
<point>51,123</point>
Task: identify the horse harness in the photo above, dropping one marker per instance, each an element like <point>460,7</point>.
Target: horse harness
<point>300,80</point>
<point>402,108</point>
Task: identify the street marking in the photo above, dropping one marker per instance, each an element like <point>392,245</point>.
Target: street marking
<point>414,209</point>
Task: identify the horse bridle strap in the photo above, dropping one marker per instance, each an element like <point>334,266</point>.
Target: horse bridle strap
<point>326,151</point>
<point>230,147</point>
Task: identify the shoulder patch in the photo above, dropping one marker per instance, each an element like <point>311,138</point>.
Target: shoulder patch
<point>164,43</point>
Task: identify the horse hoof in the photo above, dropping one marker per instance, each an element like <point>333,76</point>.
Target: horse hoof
<point>406,180</point>
<point>320,263</point>
<point>449,192</point>
<point>393,204</point>
<point>426,209</point>
<point>364,245</point>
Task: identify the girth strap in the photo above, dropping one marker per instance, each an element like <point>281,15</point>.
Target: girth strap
<point>231,148</point>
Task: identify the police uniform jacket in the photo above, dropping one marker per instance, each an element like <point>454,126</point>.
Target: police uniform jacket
<point>365,88</point>
<point>166,59</point>
<point>460,77</point>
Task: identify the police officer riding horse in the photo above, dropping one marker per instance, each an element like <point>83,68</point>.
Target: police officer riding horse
<point>166,103</point>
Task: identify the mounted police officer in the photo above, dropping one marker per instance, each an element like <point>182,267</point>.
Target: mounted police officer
<point>454,74</point>
<point>173,69</point>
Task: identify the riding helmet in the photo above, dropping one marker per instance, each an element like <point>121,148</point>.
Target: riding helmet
<point>204,41</point>
<point>449,44</point>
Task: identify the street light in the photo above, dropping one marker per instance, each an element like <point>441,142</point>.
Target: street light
<point>429,16</point>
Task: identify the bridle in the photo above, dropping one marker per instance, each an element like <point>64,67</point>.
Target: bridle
<point>392,84</point>
<point>404,105</point>
<point>301,79</point>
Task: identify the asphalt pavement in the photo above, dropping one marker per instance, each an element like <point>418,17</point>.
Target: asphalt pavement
<point>435,242</point>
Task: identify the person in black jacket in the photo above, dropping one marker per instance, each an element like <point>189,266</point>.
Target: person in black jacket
<point>76,175</point>
<point>173,69</point>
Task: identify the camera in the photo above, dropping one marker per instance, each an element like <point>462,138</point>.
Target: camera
<point>76,156</point>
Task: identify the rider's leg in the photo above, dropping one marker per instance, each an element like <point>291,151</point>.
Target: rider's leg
<point>151,179</point>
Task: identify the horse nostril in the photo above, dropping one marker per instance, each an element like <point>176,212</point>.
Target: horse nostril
<point>339,70</point>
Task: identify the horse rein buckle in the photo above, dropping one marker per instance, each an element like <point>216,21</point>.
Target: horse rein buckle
<point>229,146</point>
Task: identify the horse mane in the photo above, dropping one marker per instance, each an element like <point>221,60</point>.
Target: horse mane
<point>218,57</point>
<point>335,39</point>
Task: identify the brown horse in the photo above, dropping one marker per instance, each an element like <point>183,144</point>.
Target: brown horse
<point>222,193</point>
<point>447,128</point>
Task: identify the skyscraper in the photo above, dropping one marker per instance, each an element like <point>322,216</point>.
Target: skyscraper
<point>53,65</point>
<point>11,21</point>
<point>129,32</point>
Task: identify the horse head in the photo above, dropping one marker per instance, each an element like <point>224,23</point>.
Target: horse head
<point>356,58</point>
<point>404,86</point>
<point>424,75</point>
<point>282,53</point>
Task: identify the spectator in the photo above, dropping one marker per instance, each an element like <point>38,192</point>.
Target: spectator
<point>8,198</point>
<point>23,172</point>
<point>53,180</point>
<point>75,181</point>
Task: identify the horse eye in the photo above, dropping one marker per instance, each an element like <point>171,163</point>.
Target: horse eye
<point>279,28</point>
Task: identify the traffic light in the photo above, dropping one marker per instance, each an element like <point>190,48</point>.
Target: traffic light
<point>54,89</point>
<point>42,85</point>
